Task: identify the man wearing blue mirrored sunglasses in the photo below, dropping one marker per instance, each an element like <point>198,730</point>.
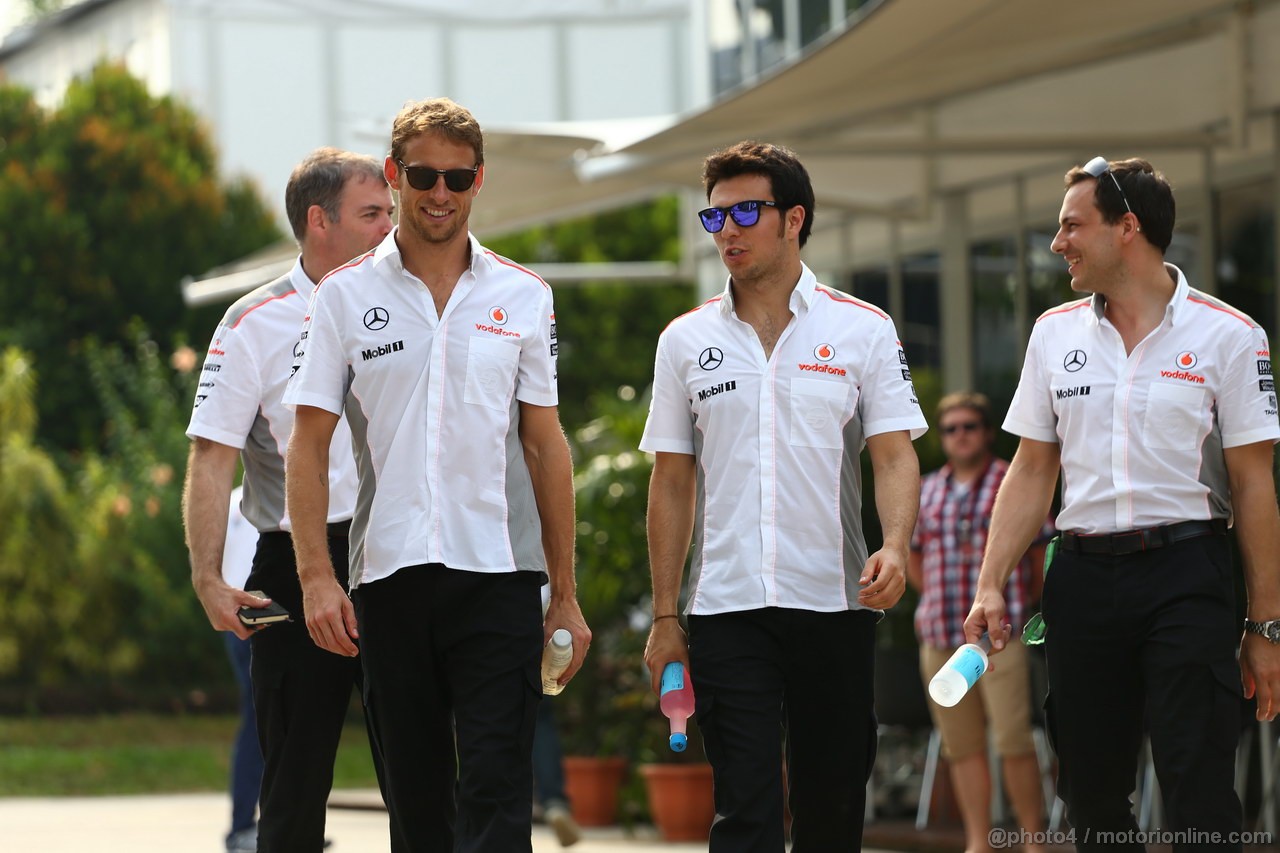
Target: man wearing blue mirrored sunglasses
<point>763,399</point>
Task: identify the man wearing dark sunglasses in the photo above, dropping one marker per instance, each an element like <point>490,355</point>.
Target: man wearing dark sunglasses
<point>946,554</point>
<point>442,354</point>
<point>763,399</point>
<point>1157,404</point>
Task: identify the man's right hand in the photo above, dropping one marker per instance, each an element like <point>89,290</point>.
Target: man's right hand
<point>330,615</point>
<point>667,643</point>
<point>988,617</point>
<point>221,603</point>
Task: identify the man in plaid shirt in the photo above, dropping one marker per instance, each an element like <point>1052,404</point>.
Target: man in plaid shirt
<point>946,554</point>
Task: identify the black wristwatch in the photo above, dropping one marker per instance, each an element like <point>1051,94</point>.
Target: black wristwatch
<point>1270,629</point>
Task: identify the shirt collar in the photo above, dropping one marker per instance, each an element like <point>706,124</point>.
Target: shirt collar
<point>301,282</point>
<point>389,251</point>
<point>1171,312</point>
<point>801,296</point>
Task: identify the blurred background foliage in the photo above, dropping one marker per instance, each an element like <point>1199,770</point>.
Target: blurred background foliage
<point>108,201</point>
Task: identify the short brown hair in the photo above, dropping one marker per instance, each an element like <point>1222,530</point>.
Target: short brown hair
<point>436,115</point>
<point>1148,192</point>
<point>972,400</point>
<point>787,176</point>
<point>320,179</point>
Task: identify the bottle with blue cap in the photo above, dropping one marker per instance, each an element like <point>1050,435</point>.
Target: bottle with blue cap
<point>676,700</point>
<point>960,673</point>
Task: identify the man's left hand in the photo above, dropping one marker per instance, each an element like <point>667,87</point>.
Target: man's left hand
<point>884,579</point>
<point>1260,671</point>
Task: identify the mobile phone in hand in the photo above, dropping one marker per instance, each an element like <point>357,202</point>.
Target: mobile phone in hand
<point>260,617</point>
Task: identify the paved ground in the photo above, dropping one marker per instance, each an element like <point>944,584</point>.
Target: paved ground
<point>195,823</point>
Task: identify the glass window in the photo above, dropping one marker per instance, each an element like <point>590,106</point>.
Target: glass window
<point>872,285</point>
<point>1048,284</point>
<point>994,270</point>
<point>1246,259</point>
<point>921,328</point>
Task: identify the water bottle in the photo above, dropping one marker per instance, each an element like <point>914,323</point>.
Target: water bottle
<point>960,673</point>
<point>676,700</point>
<point>555,657</point>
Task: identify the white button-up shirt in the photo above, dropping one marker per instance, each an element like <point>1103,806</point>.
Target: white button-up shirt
<point>433,407</point>
<point>238,402</point>
<point>777,442</point>
<point>1142,433</point>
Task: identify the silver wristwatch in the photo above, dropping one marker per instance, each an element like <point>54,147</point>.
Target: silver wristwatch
<point>1270,629</point>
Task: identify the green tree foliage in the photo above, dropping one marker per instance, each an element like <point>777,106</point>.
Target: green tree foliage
<point>131,516</point>
<point>108,202</point>
<point>94,584</point>
<point>35,550</point>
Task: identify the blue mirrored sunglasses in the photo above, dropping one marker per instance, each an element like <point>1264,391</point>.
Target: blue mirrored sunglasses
<point>744,213</point>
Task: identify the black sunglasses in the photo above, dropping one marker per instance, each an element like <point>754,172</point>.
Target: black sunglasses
<point>744,213</point>
<point>1096,168</point>
<point>966,426</point>
<point>424,177</point>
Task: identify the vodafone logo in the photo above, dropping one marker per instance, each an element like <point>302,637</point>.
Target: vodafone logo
<point>824,352</point>
<point>498,315</point>
<point>1186,360</point>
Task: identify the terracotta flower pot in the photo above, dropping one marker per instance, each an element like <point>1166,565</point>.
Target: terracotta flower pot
<point>680,800</point>
<point>592,784</point>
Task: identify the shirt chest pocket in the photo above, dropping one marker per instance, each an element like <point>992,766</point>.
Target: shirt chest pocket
<point>817,407</point>
<point>1174,416</point>
<point>491,371</point>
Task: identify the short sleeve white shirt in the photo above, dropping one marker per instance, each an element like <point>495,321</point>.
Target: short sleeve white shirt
<point>433,403</point>
<point>238,401</point>
<point>1142,434</point>
<point>776,442</point>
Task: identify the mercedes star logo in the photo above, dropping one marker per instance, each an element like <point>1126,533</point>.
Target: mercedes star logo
<point>711,358</point>
<point>1074,360</point>
<point>376,318</point>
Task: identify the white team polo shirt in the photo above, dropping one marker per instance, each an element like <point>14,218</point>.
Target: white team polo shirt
<point>433,407</point>
<point>778,520</point>
<point>239,404</point>
<point>1142,434</point>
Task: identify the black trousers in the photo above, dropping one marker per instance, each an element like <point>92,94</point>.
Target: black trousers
<point>1148,641</point>
<point>452,685</point>
<point>301,694</point>
<point>760,676</point>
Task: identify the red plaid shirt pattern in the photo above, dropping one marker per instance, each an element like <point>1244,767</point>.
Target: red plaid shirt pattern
<point>951,534</point>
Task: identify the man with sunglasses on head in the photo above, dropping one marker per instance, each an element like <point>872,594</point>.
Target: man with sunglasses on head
<point>442,356</point>
<point>339,206</point>
<point>1157,404</point>
<point>946,554</point>
<point>763,399</point>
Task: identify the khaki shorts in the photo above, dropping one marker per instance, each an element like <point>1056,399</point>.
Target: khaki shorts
<point>1001,696</point>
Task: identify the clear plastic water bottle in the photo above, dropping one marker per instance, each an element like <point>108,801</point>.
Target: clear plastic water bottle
<point>960,673</point>
<point>676,700</point>
<point>555,657</point>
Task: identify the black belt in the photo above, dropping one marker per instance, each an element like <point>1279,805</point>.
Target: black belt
<point>1144,539</point>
